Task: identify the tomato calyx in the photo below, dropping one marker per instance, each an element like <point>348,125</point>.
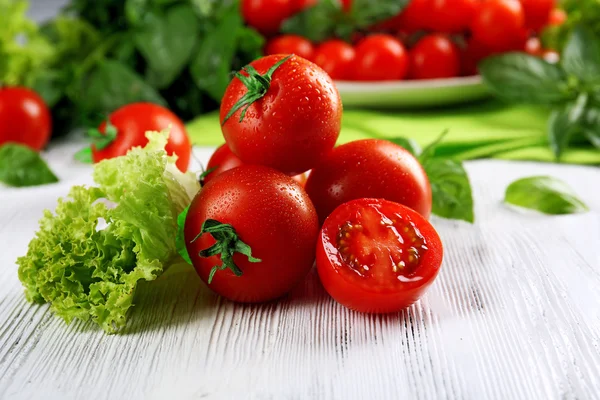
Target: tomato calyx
<point>228,243</point>
<point>99,141</point>
<point>257,85</point>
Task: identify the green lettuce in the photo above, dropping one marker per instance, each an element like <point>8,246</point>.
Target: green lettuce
<point>88,257</point>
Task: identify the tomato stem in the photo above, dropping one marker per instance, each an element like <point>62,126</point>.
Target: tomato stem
<point>257,86</point>
<point>228,243</point>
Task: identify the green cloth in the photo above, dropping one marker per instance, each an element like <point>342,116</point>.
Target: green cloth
<point>488,129</point>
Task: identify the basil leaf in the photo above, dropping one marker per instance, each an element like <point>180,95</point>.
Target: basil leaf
<point>180,240</point>
<point>564,123</point>
<point>211,66</point>
<point>592,126</point>
<point>523,78</point>
<point>451,189</point>
<point>366,13</point>
<point>166,43</point>
<point>581,56</point>
<point>113,85</point>
<point>21,166</point>
<point>409,144</point>
<point>429,150</point>
<point>545,194</point>
<point>316,23</point>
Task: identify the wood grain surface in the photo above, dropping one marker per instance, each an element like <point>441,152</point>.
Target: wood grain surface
<point>514,314</point>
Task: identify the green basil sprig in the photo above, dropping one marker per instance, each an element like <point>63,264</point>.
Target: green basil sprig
<point>571,88</point>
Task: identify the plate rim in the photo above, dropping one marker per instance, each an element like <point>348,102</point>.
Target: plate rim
<point>462,81</point>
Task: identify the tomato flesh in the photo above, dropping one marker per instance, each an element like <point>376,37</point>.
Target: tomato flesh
<point>377,256</point>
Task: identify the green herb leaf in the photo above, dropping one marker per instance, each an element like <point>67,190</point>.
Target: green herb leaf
<point>180,242</point>
<point>316,23</point>
<point>564,123</point>
<point>84,155</point>
<point>429,151</point>
<point>409,144</point>
<point>366,13</point>
<point>451,189</point>
<point>166,43</point>
<point>228,243</point>
<point>581,56</point>
<point>21,166</point>
<point>211,66</point>
<point>545,194</point>
<point>113,85</point>
<point>523,78</point>
<point>591,126</point>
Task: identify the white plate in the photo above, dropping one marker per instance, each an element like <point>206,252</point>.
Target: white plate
<point>412,94</point>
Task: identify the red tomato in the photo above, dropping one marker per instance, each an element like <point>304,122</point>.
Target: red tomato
<point>300,5</point>
<point>533,46</point>
<point>472,55</point>
<point>537,13</point>
<point>336,58</point>
<point>498,23</point>
<point>133,120</point>
<point>557,17</point>
<point>377,256</point>
<point>223,160</point>
<point>290,44</point>
<point>380,58</point>
<point>413,18</point>
<point>270,213</point>
<point>449,16</point>
<point>293,125</point>
<point>24,118</point>
<point>346,5</point>
<point>369,168</point>
<point>434,56</point>
<point>266,16</point>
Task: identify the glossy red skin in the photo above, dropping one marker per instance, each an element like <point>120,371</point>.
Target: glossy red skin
<point>336,58</point>
<point>414,17</point>
<point>498,24</point>
<point>557,17</point>
<point>300,5</point>
<point>273,215</point>
<point>133,120</point>
<point>290,44</point>
<point>448,16</point>
<point>266,16</point>
<point>223,160</point>
<point>537,13</point>
<point>433,57</point>
<point>380,57</point>
<point>294,125</point>
<point>366,294</point>
<point>24,118</point>
<point>369,168</point>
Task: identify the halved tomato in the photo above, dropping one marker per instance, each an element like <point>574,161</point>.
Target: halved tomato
<point>377,256</point>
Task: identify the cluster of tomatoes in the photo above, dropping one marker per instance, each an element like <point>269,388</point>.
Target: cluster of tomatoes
<point>429,39</point>
<point>255,229</point>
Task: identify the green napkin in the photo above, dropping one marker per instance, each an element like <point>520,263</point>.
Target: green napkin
<point>488,129</point>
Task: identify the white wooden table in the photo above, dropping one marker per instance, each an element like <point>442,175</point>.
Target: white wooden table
<point>514,314</point>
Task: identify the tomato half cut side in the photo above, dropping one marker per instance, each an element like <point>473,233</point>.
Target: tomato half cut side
<point>377,256</point>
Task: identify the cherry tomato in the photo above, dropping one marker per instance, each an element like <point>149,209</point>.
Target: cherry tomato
<point>557,17</point>
<point>369,168</point>
<point>346,5</point>
<point>449,16</point>
<point>300,5</point>
<point>133,120</point>
<point>24,118</point>
<point>472,55</point>
<point>336,58</point>
<point>271,214</point>
<point>413,18</point>
<point>537,13</point>
<point>498,23</point>
<point>290,44</point>
<point>434,56</point>
<point>377,256</point>
<point>266,16</point>
<point>533,46</point>
<point>380,57</point>
<point>223,160</point>
<point>290,127</point>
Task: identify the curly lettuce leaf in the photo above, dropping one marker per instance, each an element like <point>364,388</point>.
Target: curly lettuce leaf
<point>88,256</point>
